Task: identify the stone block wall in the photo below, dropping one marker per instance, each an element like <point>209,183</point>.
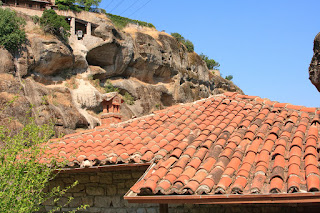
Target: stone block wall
<point>104,191</point>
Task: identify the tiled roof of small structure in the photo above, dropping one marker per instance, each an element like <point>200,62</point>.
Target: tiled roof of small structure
<point>227,143</point>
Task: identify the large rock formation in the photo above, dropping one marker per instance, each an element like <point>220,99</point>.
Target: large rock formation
<point>314,68</point>
<point>64,82</point>
<point>49,56</point>
<point>6,61</point>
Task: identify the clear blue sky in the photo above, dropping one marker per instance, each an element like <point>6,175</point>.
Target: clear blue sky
<point>266,45</point>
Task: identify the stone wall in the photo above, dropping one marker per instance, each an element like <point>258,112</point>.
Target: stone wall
<point>104,191</point>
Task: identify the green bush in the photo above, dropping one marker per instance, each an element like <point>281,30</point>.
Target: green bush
<point>178,37</point>
<point>35,19</point>
<point>229,77</point>
<point>108,87</point>
<point>189,45</point>
<point>12,34</point>
<point>23,178</point>
<point>121,22</point>
<point>52,23</point>
<point>128,98</point>
<point>68,5</point>
<point>87,4</point>
<point>211,64</point>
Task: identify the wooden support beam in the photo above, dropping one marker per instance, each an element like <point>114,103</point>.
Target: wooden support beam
<point>164,208</point>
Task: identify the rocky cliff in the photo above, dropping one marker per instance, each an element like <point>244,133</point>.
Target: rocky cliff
<point>63,82</point>
<point>314,68</point>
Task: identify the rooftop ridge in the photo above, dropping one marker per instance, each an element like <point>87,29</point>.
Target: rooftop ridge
<point>276,104</point>
<point>233,95</point>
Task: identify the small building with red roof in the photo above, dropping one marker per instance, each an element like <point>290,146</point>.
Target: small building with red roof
<point>225,153</point>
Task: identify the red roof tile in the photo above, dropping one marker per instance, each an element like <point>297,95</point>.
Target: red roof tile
<point>230,144</point>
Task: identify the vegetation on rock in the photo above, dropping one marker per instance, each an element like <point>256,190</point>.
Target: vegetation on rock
<point>68,5</point>
<point>87,4</point>
<point>229,77</point>
<point>189,45</point>
<point>108,87</point>
<point>12,34</point>
<point>23,178</point>
<point>77,5</point>
<point>128,99</point>
<point>211,64</point>
<point>55,24</point>
<point>120,22</point>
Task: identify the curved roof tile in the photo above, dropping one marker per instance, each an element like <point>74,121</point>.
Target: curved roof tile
<point>225,144</point>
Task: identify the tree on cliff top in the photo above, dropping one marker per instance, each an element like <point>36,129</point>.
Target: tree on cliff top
<point>77,5</point>
<point>87,4</point>
<point>68,5</point>
<point>12,34</point>
<point>211,64</point>
<point>55,24</point>
<point>189,45</point>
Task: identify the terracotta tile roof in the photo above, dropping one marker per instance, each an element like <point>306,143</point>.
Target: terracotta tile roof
<point>225,144</point>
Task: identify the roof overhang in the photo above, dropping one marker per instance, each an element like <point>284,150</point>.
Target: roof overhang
<point>128,166</point>
<point>292,198</point>
<point>46,2</point>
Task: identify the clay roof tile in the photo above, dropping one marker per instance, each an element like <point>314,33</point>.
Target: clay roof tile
<point>229,143</point>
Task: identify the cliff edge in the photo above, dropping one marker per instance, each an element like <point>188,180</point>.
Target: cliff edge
<point>64,81</point>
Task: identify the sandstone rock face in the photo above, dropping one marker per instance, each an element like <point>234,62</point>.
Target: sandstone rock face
<point>49,56</point>
<point>65,82</point>
<point>314,68</point>
<point>49,104</point>
<point>155,69</point>
<point>6,61</point>
<point>13,103</point>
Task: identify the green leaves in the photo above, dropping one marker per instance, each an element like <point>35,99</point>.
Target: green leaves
<point>68,5</point>
<point>211,64</point>
<point>108,87</point>
<point>87,4</point>
<point>77,5</point>
<point>189,45</point>
<point>129,99</point>
<point>12,34</point>
<point>52,23</point>
<point>24,179</point>
<point>22,176</point>
<point>121,22</point>
<point>229,77</point>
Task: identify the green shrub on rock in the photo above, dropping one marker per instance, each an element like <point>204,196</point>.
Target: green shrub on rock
<point>128,98</point>
<point>108,87</point>
<point>211,64</point>
<point>52,23</point>
<point>68,5</point>
<point>121,22</point>
<point>189,45</point>
<point>12,34</point>
<point>229,77</point>
<point>24,179</point>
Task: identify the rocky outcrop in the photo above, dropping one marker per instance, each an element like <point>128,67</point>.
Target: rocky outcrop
<point>49,104</point>
<point>48,56</point>
<point>314,68</point>
<point>64,82</point>
<point>6,61</point>
<point>153,67</point>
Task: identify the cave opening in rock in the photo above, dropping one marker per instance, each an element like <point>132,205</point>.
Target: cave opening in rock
<point>167,99</point>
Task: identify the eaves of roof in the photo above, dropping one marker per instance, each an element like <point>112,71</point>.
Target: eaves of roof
<point>307,198</point>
